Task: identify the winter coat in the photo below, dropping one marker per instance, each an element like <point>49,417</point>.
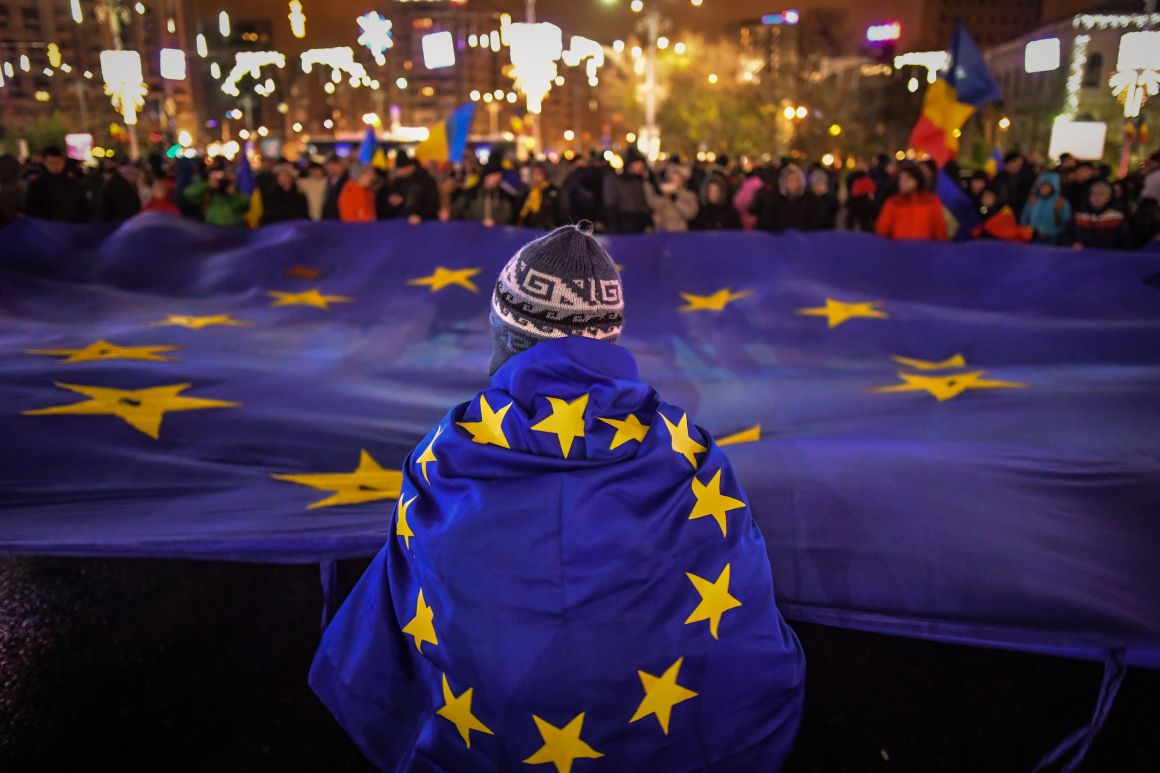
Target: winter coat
<point>776,212</point>
<point>314,188</point>
<point>356,204</point>
<point>117,200</point>
<point>1051,216</point>
<point>743,200</point>
<point>1102,229</point>
<point>626,208</point>
<point>420,195</point>
<point>478,203</point>
<point>671,211</point>
<point>821,212</point>
<point>57,197</point>
<point>221,208</point>
<point>543,209</point>
<point>716,217</point>
<point>11,190</point>
<point>279,205</point>
<point>917,215</point>
<point>163,204</point>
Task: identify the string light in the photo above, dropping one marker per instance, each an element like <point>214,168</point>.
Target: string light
<point>202,48</point>
<point>376,35</point>
<point>124,82</point>
<point>173,64</point>
<point>1075,76</point>
<point>340,59</point>
<point>224,24</point>
<point>297,19</point>
<point>75,7</point>
<point>54,55</point>
<point>25,64</point>
<point>215,71</point>
<point>170,26</point>
<point>250,63</point>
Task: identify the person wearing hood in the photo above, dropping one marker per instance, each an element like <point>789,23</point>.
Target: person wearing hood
<point>716,212</point>
<point>674,205</point>
<point>1099,223</point>
<point>912,213</point>
<point>162,200</point>
<point>572,572</point>
<point>821,203</point>
<point>1047,211</point>
<point>489,201</point>
<point>784,207</point>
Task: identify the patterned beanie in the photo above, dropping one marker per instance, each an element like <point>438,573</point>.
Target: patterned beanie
<point>563,284</point>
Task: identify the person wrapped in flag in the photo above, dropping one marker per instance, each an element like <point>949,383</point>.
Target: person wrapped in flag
<point>573,579</point>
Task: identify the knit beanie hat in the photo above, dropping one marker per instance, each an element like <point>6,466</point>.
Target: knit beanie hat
<point>562,284</point>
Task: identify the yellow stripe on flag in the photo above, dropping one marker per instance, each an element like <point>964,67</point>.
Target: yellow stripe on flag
<point>942,108</point>
<point>435,147</point>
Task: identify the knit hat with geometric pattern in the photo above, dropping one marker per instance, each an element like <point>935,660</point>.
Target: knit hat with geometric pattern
<point>562,284</point>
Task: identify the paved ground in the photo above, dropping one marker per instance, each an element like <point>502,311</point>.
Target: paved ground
<point>175,666</point>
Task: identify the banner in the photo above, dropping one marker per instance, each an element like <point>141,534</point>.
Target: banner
<point>950,441</point>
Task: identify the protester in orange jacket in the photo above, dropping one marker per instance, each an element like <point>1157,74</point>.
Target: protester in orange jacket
<point>912,213</point>
<point>346,199</point>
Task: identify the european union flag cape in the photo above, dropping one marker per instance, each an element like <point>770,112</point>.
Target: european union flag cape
<point>573,573</point>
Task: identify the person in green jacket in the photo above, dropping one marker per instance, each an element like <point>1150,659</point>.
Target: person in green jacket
<point>221,204</point>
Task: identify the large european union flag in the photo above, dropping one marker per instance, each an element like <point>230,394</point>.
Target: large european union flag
<point>949,441</point>
<point>572,573</point>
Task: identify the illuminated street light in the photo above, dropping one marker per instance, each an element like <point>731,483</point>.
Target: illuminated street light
<point>569,135</point>
<point>828,159</point>
<point>679,48</point>
<point>328,87</point>
<point>474,95</point>
<point>263,131</point>
<point>296,126</point>
<point>788,113</point>
<point>713,78</point>
<point>801,112</point>
<point>912,85</point>
<point>618,46</point>
<point>835,130</point>
<point>124,83</point>
<point>637,6</point>
<point>534,50</point>
<point>139,8</point>
<point>329,124</point>
<point>401,83</point>
<point>662,42</point>
<point>184,138</point>
<point>1004,123</point>
<point>636,52</point>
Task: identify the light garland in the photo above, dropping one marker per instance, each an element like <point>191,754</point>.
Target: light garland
<point>1075,76</point>
<point>340,60</point>
<point>124,83</point>
<point>581,49</point>
<point>376,35</point>
<point>1137,75</point>
<point>535,49</point>
<point>1086,21</point>
<point>250,63</point>
<point>297,19</point>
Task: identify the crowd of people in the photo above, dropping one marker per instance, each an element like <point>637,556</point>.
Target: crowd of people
<point>1075,203</point>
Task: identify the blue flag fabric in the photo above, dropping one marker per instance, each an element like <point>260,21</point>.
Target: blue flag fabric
<point>246,181</point>
<point>370,143</point>
<point>958,203</point>
<point>969,74</point>
<point>956,441</point>
<point>612,581</point>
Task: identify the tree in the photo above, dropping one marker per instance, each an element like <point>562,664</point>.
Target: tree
<point>46,130</point>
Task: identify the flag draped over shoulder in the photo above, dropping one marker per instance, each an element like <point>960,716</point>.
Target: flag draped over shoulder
<point>572,573</point>
<point>965,86</point>
<point>448,139</point>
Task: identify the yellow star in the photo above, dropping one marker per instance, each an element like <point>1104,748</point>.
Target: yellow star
<point>710,501</point>
<point>308,298</point>
<point>402,528</point>
<point>661,693</point>
<point>141,409</point>
<point>715,302</point>
<point>627,429</point>
<point>682,443</point>
<point>566,421</point>
<point>751,435</point>
<point>457,711</point>
<point>562,745</point>
<point>951,362</point>
<point>422,625</point>
<point>715,600</point>
<point>368,483</point>
<point>489,429</point>
<point>428,454</point>
<point>445,277</point>
<point>948,387</point>
<point>103,350</point>
<point>838,312</point>
<point>197,323</point>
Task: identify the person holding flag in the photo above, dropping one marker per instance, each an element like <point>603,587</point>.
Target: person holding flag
<point>218,199</point>
<point>573,579</point>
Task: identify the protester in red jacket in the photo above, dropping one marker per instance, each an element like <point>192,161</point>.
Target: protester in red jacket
<point>912,213</point>
<point>162,200</point>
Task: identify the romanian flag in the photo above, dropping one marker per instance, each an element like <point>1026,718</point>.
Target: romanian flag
<point>966,85</point>
<point>448,140</point>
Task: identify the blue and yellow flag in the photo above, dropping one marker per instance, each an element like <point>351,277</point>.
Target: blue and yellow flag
<point>572,573</point>
<point>949,441</point>
<point>448,139</point>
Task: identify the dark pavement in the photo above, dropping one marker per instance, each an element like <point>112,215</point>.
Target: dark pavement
<point>179,666</point>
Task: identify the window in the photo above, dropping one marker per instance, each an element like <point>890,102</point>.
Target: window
<point>1093,71</point>
<point>31,18</point>
<point>4,17</point>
